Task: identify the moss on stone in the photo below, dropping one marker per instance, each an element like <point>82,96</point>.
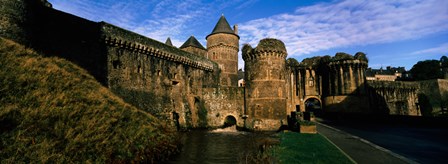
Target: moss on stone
<point>342,56</point>
<point>361,56</point>
<point>270,44</point>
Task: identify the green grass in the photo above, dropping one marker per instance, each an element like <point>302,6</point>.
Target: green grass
<point>307,148</point>
<point>52,111</point>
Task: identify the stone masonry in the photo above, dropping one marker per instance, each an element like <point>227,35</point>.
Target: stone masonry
<point>196,87</point>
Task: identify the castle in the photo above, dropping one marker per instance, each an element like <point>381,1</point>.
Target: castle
<point>195,86</point>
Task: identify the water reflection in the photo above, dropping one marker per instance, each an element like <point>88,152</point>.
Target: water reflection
<point>217,146</point>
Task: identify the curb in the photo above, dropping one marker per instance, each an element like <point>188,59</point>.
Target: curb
<point>369,143</point>
<point>342,151</point>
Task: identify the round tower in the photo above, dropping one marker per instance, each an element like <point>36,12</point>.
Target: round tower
<point>347,84</point>
<point>223,47</point>
<point>265,69</point>
<point>347,74</point>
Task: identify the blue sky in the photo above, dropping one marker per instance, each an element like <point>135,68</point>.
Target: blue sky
<point>391,33</point>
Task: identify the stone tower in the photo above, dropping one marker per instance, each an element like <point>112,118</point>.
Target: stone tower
<point>347,84</point>
<point>265,68</point>
<point>223,47</point>
<point>193,46</point>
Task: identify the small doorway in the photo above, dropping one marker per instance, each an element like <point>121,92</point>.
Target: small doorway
<point>229,121</point>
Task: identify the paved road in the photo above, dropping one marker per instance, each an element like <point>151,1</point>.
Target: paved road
<point>420,144</point>
<point>360,151</point>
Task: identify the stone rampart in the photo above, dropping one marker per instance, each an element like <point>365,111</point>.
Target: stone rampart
<point>395,98</point>
<point>222,102</point>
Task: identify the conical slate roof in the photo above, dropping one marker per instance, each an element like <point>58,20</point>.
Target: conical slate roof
<point>192,41</point>
<point>222,27</point>
<point>168,42</point>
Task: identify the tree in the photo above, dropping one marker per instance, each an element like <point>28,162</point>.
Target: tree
<point>444,61</point>
<point>425,70</point>
<point>292,62</point>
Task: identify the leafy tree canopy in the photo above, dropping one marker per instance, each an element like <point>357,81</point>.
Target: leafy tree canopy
<point>425,70</point>
<point>444,61</point>
<point>292,62</point>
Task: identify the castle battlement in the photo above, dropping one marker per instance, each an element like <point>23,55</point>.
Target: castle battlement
<point>194,86</point>
<point>137,47</point>
<point>266,48</point>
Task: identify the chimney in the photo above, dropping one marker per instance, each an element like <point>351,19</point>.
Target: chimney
<point>235,29</point>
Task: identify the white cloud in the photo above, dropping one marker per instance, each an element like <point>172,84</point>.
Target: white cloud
<point>155,19</point>
<point>441,49</point>
<point>347,23</point>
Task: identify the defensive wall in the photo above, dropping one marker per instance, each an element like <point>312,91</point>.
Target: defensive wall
<point>433,97</point>
<point>158,78</point>
<point>394,98</point>
<point>196,87</point>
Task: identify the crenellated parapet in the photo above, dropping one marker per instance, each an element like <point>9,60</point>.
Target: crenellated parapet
<point>117,37</point>
<point>348,63</point>
<point>397,85</point>
<point>139,48</point>
<point>267,48</point>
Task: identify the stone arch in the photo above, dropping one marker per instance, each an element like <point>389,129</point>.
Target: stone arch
<point>313,104</point>
<point>230,120</point>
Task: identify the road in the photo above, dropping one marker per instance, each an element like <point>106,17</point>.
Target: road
<point>420,144</point>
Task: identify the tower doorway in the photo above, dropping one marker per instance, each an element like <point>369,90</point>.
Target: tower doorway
<point>229,121</point>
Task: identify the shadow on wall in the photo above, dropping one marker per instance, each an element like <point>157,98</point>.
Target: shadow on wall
<point>202,112</point>
<point>146,101</point>
<point>363,100</point>
<point>161,106</point>
<point>76,39</point>
<point>424,105</point>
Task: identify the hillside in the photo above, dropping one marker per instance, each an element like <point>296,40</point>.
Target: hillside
<point>53,111</point>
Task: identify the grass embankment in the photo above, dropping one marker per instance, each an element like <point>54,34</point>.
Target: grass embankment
<point>307,148</point>
<point>53,111</point>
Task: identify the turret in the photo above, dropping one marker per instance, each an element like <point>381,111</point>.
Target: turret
<point>347,74</point>
<point>223,47</point>
<point>265,68</point>
<point>168,42</point>
<point>347,84</point>
<point>193,46</point>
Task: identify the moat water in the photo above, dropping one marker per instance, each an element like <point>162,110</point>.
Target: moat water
<point>218,146</point>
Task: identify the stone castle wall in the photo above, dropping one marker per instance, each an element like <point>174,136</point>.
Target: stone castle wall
<point>222,102</point>
<point>433,96</point>
<point>198,88</point>
<point>155,77</point>
<point>303,84</point>
<point>394,98</point>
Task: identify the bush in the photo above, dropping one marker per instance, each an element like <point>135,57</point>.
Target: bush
<point>305,123</point>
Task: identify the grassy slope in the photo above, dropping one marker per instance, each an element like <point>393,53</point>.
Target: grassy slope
<point>52,110</point>
<point>307,148</point>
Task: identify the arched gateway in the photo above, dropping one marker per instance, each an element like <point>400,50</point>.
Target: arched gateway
<point>229,121</point>
<point>313,105</point>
